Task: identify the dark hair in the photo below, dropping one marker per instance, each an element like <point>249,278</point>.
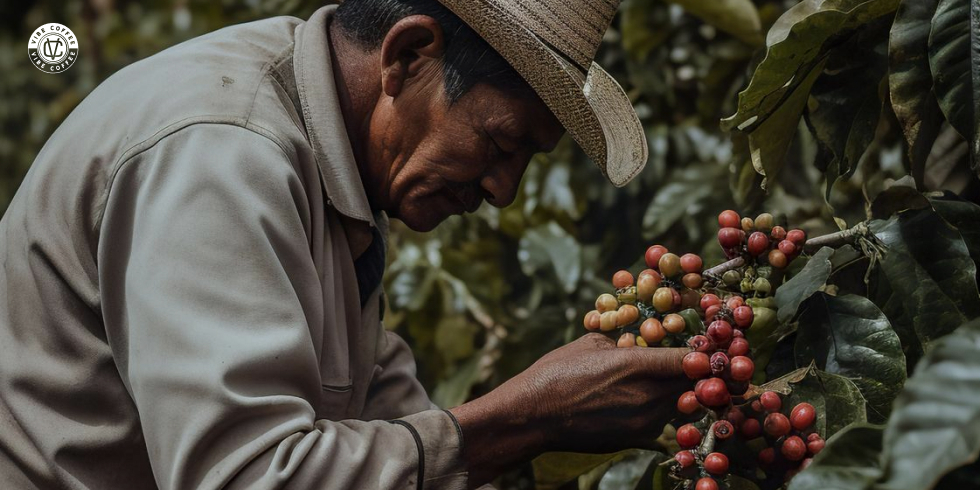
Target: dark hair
<point>468,59</point>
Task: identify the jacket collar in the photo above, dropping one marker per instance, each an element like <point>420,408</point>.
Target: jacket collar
<point>324,120</point>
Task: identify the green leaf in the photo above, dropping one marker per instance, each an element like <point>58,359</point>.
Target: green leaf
<point>550,247</point>
<point>850,336</point>
<point>846,100</point>
<point>926,281</point>
<point>837,400</point>
<point>736,17</point>
<point>639,39</point>
<point>770,140</point>
<point>910,80</point>
<point>552,470</point>
<point>796,45</point>
<point>952,54</point>
<point>964,216</point>
<point>901,196</point>
<point>795,291</point>
<point>688,187</point>
<point>626,474</point>
<point>455,390</point>
<point>849,461</point>
<point>935,426</point>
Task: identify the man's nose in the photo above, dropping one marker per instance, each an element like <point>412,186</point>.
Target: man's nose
<point>503,179</point>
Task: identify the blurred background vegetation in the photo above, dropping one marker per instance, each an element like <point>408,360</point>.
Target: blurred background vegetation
<point>485,295</point>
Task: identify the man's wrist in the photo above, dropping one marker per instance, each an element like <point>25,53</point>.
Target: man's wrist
<point>499,432</point>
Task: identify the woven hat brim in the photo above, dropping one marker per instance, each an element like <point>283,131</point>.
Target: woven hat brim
<point>593,108</point>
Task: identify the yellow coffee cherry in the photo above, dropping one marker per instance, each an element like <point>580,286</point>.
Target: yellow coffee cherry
<point>606,302</point>
<point>626,315</point>
<point>607,321</point>
<point>674,323</point>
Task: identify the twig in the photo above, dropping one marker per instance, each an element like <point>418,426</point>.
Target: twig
<point>716,272</point>
<point>836,240</point>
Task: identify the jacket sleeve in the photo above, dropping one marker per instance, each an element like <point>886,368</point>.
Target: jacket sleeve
<point>395,390</point>
<point>209,290</point>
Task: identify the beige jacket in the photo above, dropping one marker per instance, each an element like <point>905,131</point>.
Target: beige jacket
<point>178,301</point>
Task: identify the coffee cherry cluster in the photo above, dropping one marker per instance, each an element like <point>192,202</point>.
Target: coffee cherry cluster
<point>654,308</point>
<point>675,302</point>
<point>789,441</point>
<point>759,239</point>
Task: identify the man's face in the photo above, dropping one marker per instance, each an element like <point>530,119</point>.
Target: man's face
<point>432,160</point>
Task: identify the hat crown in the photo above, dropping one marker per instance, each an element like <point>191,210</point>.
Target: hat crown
<point>573,27</point>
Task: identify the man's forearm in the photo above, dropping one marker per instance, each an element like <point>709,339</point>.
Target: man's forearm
<point>498,434</point>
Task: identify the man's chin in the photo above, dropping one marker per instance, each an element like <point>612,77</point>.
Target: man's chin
<point>421,224</point>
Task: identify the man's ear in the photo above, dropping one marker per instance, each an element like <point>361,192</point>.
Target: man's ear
<point>410,45</point>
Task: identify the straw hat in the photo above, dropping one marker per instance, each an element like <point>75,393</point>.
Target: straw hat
<point>552,43</point>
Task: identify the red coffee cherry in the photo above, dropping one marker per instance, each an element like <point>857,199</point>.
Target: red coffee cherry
<point>767,456</point>
<point>706,483</point>
<point>787,247</point>
<point>729,219</point>
<point>757,406</point>
<point>720,331</point>
<point>802,416</point>
<point>751,429</point>
<point>737,334</point>
<point>691,263</point>
<point>730,238</point>
<point>771,401</point>
<point>735,417</point>
<point>709,300</point>
<point>622,279</point>
<point>652,331</point>
<point>626,340</point>
<point>700,343</point>
<point>653,254</point>
<point>738,347</point>
<point>688,403</point>
<point>688,436</point>
<point>719,363</point>
<point>716,463</point>
<point>742,368</point>
<point>692,280</point>
<point>696,365</point>
<point>723,429</point>
<point>737,388</point>
<point>778,233</point>
<point>712,312</point>
<point>712,392</point>
<point>776,425</point>
<point>743,316</point>
<point>733,302</point>
<point>778,259</point>
<point>796,236</point>
<point>758,244</point>
<point>793,448</point>
<point>684,458</point>
<point>814,446</point>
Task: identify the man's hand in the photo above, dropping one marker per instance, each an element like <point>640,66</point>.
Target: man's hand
<point>587,396</point>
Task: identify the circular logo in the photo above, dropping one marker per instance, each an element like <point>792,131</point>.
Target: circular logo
<point>53,48</point>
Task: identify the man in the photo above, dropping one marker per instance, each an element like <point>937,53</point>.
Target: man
<point>191,269</point>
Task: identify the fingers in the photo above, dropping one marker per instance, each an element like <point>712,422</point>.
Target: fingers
<point>662,362</point>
